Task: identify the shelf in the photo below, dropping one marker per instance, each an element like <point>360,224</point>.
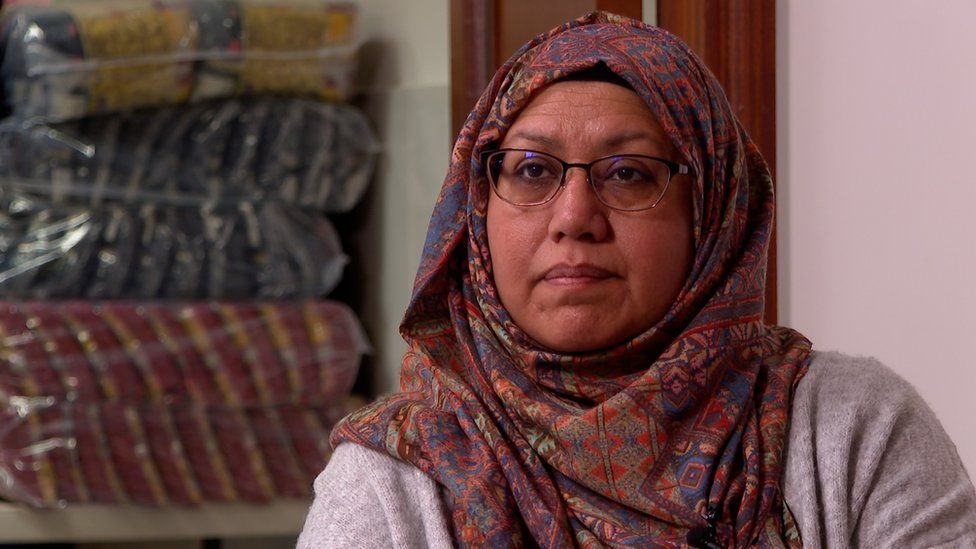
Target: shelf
<point>88,523</point>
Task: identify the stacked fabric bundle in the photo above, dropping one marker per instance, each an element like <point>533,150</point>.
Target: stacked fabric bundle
<point>221,200</point>
<point>160,403</point>
<point>300,152</point>
<point>262,250</point>
<point>67,59</point>
<point>221,369</point>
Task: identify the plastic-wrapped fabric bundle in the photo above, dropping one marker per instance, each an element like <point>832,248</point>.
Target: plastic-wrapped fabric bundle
<point>73,453</point>
<point>67,59</point>
<point>299,152</point>
<point>243,251</point>
<point>165,403</point>
<point>215,201</point>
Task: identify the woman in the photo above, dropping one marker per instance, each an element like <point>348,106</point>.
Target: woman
<point>587,361</point>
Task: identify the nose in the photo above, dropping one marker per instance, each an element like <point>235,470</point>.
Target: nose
<point>577,213</point>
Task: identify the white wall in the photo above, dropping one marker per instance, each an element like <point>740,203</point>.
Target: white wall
<point>649,11</point>
<point>877,171</point>
<point>406,78</point>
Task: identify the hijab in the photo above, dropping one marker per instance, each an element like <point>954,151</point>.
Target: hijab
<point>682,426</point>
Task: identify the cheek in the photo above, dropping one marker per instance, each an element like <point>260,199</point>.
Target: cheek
<point>659,266</point>
<point>665,254</point>
<point>510,244</point>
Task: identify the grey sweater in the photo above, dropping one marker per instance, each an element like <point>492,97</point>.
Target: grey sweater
<point>867,465</point>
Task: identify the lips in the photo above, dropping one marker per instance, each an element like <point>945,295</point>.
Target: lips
<point>581,272</point>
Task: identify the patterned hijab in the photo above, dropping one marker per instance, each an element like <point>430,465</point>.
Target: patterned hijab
<point>634,445</point>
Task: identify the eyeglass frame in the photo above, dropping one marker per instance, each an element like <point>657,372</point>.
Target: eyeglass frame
<point>674,168</point>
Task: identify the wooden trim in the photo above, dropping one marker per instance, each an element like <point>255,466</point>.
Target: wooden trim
<point>520,21</point>
<point>484,33</point>
<point>737,40</point>
<point>628,8</point>
<point>472,60</point>
<point>142,525</point>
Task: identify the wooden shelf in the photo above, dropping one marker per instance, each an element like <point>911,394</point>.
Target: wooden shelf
<point>92,523</point>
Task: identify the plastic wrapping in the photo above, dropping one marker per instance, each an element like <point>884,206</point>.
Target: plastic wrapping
<point>299,152</point>
<point>164,403</point>
<point>71,58</point>
<point>270,251</point>
<point>215,201</point>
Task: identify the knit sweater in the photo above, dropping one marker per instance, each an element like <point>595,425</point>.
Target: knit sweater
<point>867,465</point>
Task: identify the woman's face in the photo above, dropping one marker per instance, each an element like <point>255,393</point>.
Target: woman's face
<point>575,275</point>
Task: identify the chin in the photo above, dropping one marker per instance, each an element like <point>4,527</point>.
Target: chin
<point>582,328</point>
<point>576,340</point>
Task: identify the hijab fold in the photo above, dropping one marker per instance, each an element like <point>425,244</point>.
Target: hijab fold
<point>622,446</point>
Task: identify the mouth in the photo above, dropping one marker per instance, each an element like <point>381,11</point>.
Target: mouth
<point>576,274</point>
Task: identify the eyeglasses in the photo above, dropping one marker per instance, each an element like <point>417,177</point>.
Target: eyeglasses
<point>627,182</point>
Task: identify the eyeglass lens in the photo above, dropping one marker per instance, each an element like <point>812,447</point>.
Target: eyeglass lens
<point>628,182</point>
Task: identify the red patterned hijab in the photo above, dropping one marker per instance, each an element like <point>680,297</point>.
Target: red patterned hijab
<point>634,445</point>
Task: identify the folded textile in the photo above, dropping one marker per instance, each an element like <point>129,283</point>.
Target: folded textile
<point>231,354</point>
<point>68,59</point>
<point>61,453</point>
<point>268,251</point>
<point>170,404</point>
<point>219,154</point>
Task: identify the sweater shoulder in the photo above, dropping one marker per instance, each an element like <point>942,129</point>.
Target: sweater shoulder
<point>364,498</point>
<point>868,463</point>
<point>357,462</point>
<point>835,377</point>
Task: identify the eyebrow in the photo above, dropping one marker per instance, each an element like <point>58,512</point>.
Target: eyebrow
<point>615,141</point>
<point>535,138</point>
<point>621,139</point>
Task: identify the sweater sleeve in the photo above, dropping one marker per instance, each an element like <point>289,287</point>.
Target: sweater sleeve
<point>869,465</point>
<point>367,499</point>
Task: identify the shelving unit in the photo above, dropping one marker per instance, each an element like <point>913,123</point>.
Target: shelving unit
<point>104,523</point>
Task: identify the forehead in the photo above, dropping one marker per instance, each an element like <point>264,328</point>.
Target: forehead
<point>584,115</point>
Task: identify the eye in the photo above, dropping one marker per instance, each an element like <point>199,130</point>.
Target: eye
<point>627,171</point>
<point>534,169</point>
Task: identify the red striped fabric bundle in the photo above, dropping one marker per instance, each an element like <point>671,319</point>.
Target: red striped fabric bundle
<point>166,403</point>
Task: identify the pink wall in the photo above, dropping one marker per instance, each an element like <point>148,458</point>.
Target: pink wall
<point>877,170</point>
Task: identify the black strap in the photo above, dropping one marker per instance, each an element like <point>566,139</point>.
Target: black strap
<point>706,537</point>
